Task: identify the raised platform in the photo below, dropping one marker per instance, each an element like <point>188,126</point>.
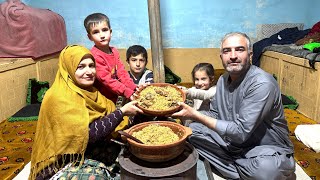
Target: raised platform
<point>297,79</point>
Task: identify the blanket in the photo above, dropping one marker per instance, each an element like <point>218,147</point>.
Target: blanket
<point>30,32</point>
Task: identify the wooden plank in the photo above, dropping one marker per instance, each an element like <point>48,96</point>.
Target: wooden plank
<point>156,40</point>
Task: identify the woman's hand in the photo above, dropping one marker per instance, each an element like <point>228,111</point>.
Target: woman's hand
<point>130,109</point>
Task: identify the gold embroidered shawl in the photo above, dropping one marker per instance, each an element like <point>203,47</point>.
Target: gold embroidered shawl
<point>65,114</point>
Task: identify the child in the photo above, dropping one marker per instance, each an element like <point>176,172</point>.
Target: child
<point>137,59</point>
<point>113,79</point>
<point>203,89</point>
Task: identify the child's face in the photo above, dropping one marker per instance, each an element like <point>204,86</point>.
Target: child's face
<point>100,34</point>
<point>202,80</point>
<point>137,64</point>
<point>85,73</point>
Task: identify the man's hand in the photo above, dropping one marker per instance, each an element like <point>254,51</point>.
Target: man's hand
<point>186,112</point>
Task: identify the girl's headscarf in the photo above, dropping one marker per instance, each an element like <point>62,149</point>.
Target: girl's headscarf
<point>65,115</point>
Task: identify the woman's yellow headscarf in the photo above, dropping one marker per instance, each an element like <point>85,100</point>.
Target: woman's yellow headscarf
<point>65,114</point>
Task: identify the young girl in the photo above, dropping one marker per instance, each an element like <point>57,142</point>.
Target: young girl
<point>203,90</point>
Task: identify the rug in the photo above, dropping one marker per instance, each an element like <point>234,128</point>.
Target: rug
<point>16,140</point>
<point>305,157</point>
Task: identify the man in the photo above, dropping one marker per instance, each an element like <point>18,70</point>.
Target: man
<point>244,135</point>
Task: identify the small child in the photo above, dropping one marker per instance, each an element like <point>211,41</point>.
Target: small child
<point>203,90</point>
<point>137,59</point>
<point>113,79</point>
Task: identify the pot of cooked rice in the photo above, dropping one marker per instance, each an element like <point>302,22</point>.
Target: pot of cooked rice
<point>159,99</point>
<point>163,140</point>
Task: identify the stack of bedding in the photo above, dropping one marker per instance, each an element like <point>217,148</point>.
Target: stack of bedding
<point>294,50</point>
<point>30,32</point>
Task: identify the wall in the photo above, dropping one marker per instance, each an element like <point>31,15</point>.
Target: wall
<point>14,76</point>
<point>185,23</point>
<point>187,26</point>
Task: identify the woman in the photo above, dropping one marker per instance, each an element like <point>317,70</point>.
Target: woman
<point>75,119</point>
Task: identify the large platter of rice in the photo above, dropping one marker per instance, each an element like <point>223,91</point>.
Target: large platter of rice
<point>160,98</point>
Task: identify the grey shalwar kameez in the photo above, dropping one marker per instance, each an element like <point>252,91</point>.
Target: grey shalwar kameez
<point>251,137</point>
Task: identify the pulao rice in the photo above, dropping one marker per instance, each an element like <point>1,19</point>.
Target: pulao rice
<point>156,135</point>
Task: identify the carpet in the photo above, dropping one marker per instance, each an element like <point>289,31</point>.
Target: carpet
<point>16,140</point>
<point>305,157</point>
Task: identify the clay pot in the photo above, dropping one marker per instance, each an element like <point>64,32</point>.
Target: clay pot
<point>159,153</point>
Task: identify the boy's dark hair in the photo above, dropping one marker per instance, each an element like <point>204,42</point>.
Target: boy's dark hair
<point>207,67</point>
<point>95,18</point>
<point>136,50</point>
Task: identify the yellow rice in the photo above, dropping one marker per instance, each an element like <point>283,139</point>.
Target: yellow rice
<point>160,102</point>
<point>156,135</point>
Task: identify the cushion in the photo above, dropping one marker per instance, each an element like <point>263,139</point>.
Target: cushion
<point>28,113</point>
<point>309,134</point>
<point>36,91</point>
<point>289,102</point>
<point>171,77</point>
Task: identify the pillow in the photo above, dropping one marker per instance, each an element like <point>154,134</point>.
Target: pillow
<point>289,102</point>
<point>36,91</point>
<point>171,77</point>
<point>28,113</point>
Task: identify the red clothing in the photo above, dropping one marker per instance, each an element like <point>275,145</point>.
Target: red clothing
<point>113,79</point>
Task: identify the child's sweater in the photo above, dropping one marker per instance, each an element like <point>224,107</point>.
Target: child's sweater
<point>113,79</point>
<point>201,98</point>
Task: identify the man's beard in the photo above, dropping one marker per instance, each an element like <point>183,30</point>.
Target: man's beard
<point>238,69</point>
<point>233,68</point>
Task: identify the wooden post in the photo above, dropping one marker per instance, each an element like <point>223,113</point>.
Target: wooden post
<point>156,40</point>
